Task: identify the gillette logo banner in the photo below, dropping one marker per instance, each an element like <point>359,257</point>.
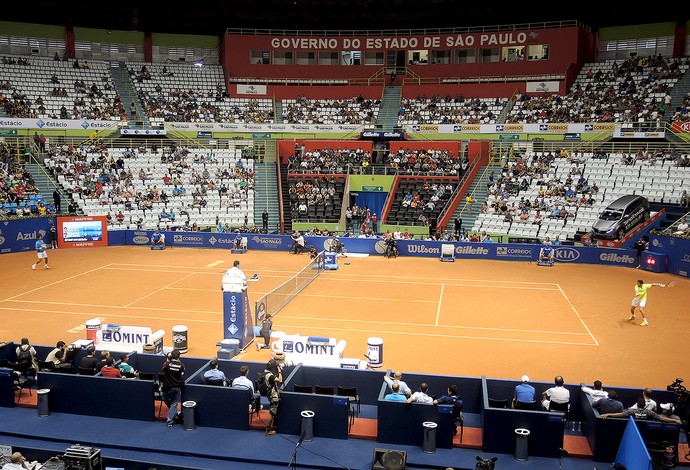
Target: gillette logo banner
<point>616,258</point>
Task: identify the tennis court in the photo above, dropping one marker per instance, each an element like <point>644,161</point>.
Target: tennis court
<point>468,318</point>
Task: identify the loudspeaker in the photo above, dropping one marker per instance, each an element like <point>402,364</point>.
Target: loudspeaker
<point>389,459</point>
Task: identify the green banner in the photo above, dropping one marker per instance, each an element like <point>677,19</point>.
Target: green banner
<point>373,189</point>
<point>8,131</point>
<point>261,136</point>
<point>509,137</point>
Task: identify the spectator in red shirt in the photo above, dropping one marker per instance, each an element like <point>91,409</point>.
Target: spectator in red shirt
<point>109,369</point>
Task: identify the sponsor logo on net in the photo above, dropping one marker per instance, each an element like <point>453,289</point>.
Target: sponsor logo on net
<point>471,250</point>
<point>566,254</point>
<point>512,252</point>
<point>616,258</point>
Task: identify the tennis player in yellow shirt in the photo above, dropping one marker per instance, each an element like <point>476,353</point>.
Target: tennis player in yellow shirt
<point>640,300</point>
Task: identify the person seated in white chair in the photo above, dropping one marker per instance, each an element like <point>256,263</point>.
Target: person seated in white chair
<point>546,253</point>
<point>157,239</point>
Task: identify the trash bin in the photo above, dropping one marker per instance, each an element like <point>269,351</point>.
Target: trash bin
<point>43,408</point>
<point>308,425</point>
<point>180,337</point>
<point>521,442</point>
<point>188,415</point>
<point>429,442</point>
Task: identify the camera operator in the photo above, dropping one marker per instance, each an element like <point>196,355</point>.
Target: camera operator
<point>682,396</point>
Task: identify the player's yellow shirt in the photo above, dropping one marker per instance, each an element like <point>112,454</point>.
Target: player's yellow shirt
<point>641,291</point>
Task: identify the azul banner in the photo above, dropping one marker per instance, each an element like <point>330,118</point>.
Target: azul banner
<point>21,235</point>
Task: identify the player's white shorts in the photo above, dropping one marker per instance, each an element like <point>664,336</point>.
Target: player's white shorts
<point>42,254</point>
<point>639,303</point>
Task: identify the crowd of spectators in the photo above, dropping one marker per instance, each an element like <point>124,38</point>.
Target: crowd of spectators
<point>105,176</point>
<point>312,192</point>
<point>17,187</point>
<point>427,162</point>
<point>449,110</point>
<point>330,111</point>
<point>81,101</point>
<point>328,160</point>
<point>637,89</point>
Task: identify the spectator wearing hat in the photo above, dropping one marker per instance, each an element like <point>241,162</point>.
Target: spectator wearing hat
<point>524,392</point>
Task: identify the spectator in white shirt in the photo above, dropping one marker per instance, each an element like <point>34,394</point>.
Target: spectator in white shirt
<point>558,394</point>
<point>597,393</point>
<point>421,396</point>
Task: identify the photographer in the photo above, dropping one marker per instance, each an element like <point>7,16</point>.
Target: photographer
<point>59,346</point>
<point>273,376</point>
<point>299,246</point>
<point>391,248</point>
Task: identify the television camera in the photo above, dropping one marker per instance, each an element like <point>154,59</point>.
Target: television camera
<point>681,408</point>
<point>679,389</point>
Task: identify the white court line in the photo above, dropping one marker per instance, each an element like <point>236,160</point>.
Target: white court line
<point>435,335</point>
<point>440,300</point>
<point>214,264</point>
<point>119,315</point>
<point>359,297</point>
<point>578,315</point>
<point>117,307</point>
<point>453,282</point>
<point>56,282</point>
<point>458,327</point>
<point>338,275</point>
<point>148,267</point>
<point>158,290</point>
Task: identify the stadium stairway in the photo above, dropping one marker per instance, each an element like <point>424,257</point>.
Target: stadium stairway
<point>46,184</point>
<point>678,93</point>
<point>279,111</point>
<point>478,192</point>
<point>390,105</point>
<point>128,95</point>
<point>285,195</point>
<point>266,195</point>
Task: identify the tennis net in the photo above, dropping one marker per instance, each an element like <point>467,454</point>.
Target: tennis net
<point>272,302</point>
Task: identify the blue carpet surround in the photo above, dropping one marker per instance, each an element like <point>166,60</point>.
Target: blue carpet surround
<point>136,445</point>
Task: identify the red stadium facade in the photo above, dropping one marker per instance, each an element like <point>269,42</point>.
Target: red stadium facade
<point>478,63</point>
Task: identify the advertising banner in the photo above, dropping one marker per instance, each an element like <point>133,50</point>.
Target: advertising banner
<point>67,124</point>
<point>513,129</point>
<point>21,234</point>
<point>82,231</point>
<point>237,317</point>
<point>262,128</point>
<point>677,249</point>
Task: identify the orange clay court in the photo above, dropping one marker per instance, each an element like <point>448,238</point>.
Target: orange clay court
<point>468,318</point>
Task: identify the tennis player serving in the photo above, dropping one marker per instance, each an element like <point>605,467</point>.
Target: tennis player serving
<point>640,299</point>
